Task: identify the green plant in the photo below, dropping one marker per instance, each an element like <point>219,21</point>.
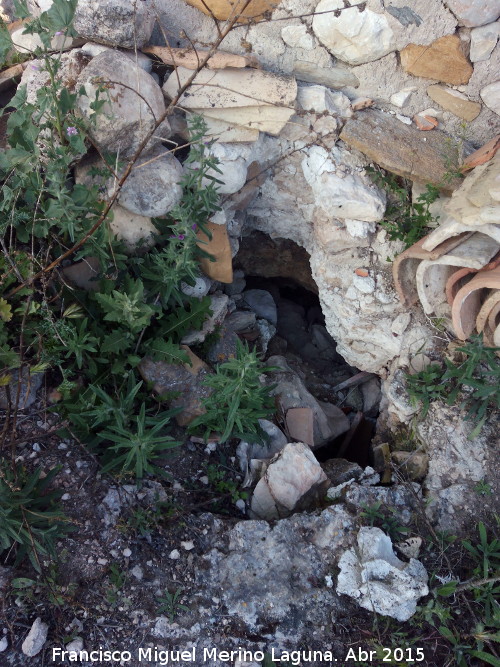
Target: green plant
<point>239,398</point>
<point>482,488</point>
<point>169,604</point>
<point>140,446</point>
<point>30,518</point>
<point>405,219</point>
<point>47,589</point>
<point>385,519</point>
<point>476,379</point>
<point>94,339</point>
<point>217,477</point>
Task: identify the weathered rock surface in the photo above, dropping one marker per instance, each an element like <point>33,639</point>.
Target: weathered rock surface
<point>185,379</point>
<point>134,105</point>
<point>30,384</point>
<point>472,13</point>
<point>233,160</point>
<point>292,393</point>
<point>262,303</point>
<point>483,40</point>
<point>454,101</point>
<point>227,9</point>
<point>490,95</point>
<point>36,638</point>
<point>134,230</point>
<point>397,147</point>
<point>344,195</point>
<point>125,23</point>
<point>248,98</point>
<point>153,187</point>
<point>293,481</point>
<point>375,577</point>
<point>333,77</point>
<point>456,465</point>
<point>444,60</point>
<point>262,578</point>
<point>355,35</point>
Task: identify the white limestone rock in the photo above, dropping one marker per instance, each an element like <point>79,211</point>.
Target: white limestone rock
<point>401,98</point>
<point>36,638</point>
<point>298,37</point>
<point>354,36</point>
<point>293,480</point>
<point>375,577</point>
<point>471,13</point>
<point>321,100</point>
<point>125,23</point>
<point>483,40</point>
<point>135,103</point>
<point>27,43</point>
<point>233,160</point>
<point>134,230</point>
<point>491,96</point>
<point>141,59</point>
<point>342,194</point>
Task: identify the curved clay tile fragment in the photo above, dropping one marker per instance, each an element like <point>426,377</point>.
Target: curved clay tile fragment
<point>405,265</point>
<point>432,275</point>
<point>456,281</point>
<point>482,155</point>
<point>468,301</point>
<point>492,300</point>
<point>451,228</point>
<point>494,315</point>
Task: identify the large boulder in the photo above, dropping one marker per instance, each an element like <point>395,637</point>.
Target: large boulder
<point>134,103</point>
<point>153,187</point>
<point>125,23</point>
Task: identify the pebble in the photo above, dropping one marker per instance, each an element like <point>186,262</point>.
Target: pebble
<point>3,644</point>
<point>36,447</point>
<point>66,496</point>
<point>188,545</point>
<point>174,554</point>
<point>204,479</point>
<point>63,445</point>
<point>137,572</point>
<point>76,645</point>
<point>127,552</point>
<point>36,638</point>
<point>102,561</point>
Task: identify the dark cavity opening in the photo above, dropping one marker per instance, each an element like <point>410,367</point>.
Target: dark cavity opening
<point>281,267</point>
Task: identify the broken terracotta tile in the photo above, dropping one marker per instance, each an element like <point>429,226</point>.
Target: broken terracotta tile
<point>482,155</point>
<point>191,58</point>
<point>432,275</point>
<point>219,247</point>
<point>490,305</point>
<point>405,265</point>
<point>300,425</point>
<point>494,316</point>
<point>9,76</point>
<point>425,123</point>
<point>468,301</point>
<point>456,281</point>
<point>364,273</point>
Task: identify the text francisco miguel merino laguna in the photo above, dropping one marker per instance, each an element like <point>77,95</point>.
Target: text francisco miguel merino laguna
<point>170,657</point>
